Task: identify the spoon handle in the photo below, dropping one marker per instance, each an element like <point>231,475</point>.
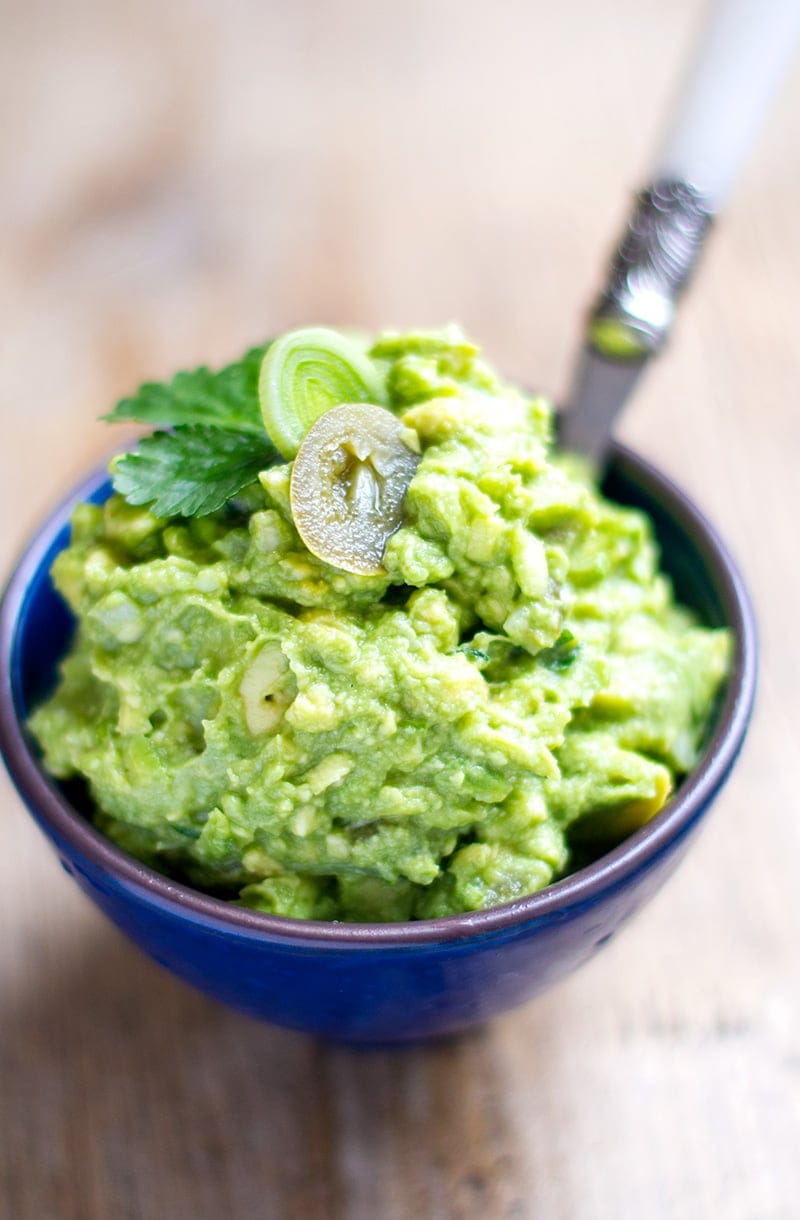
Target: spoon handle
<point>739,62</point>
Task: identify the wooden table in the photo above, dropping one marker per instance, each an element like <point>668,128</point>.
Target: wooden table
<point>180,180</point>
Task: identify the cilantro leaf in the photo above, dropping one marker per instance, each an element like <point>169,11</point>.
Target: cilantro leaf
<point>563,653</point>
<point>191,471</point>
<point>225,399</point>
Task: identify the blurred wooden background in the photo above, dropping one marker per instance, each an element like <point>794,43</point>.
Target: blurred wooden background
<point>181,179</point>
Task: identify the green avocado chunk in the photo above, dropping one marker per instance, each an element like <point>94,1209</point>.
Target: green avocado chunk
<point>515,685</point>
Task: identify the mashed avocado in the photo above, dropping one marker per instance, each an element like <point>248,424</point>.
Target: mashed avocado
<point>514,684</point>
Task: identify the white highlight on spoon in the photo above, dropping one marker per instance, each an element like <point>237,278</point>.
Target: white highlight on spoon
<point>738,65</point>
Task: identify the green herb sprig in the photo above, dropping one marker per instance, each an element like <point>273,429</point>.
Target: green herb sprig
<point>215,446</point>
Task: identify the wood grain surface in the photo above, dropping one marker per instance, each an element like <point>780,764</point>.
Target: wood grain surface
<point>179,180</point>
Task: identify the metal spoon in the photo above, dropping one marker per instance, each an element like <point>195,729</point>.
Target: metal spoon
<point>739,62</point>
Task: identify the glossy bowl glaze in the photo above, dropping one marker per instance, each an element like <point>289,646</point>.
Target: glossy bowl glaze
<point>379,982</point>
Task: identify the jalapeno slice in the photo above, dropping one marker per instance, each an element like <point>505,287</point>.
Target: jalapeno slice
<point>349,483</point>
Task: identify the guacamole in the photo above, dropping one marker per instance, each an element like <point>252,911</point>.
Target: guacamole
<point>512,689</point>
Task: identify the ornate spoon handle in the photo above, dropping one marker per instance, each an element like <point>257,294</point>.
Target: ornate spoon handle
<point>738,65</point>
<point>649,270</point>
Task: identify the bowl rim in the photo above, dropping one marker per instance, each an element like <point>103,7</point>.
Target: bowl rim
<point>585,886</point>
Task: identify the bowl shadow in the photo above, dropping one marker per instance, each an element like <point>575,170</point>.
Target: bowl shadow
<point>129,1094</point>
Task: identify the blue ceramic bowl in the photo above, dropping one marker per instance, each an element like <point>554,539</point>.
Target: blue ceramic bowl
<point>364,982</point>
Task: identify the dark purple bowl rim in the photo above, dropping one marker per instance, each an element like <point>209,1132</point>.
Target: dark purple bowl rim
<point>586,885</point>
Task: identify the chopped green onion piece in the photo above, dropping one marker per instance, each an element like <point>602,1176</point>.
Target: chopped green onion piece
<point>306,372</point>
